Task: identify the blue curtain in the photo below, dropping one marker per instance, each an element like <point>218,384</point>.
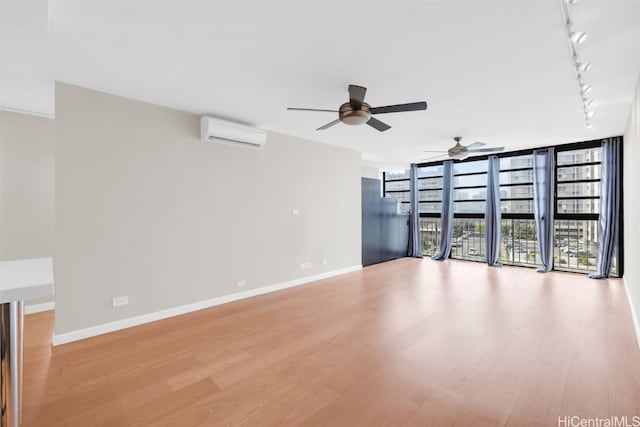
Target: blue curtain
<point>415,243</point>
<point>446,219</point>
<point>543,204</point>
<point>492,216</point>
<point>609,207</point>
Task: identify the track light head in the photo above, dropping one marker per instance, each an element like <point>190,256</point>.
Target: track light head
<point>578,37</point>
<point>585,88</point>
<point>583,66</point>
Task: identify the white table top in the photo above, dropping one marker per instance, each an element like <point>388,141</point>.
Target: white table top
<point>26,279</point>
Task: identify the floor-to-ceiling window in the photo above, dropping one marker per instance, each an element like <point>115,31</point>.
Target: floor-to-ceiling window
<point>577,207</point>
<point>469,203</point>
<point>577,201</point>
<point>430,186</point>
<point>518,234</point>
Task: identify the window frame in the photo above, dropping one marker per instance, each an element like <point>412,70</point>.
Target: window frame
<point>574,216</point>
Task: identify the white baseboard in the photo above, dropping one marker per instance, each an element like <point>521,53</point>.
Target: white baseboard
<point>634,315</point>
<point>104,328</point>
<point>37,308</point>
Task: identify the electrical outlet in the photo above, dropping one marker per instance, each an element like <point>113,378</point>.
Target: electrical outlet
<point>324,261</point>
<point>241,283</point>
<point>295,211</point>
<point>118,301</point>
<point>308,264</point>
<point>303,265</point>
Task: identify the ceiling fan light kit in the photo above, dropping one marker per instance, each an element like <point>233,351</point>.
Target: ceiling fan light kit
<point>349,116</point>
<point>575,38</point>
<point>357,112</point>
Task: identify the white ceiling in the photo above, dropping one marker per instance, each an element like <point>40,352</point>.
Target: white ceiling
<point>25,79</point>
<point>494,71</point>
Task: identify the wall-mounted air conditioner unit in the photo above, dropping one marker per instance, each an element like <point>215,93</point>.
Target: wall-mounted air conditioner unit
<point>222,131</point>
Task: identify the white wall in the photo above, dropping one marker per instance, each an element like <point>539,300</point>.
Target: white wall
<point>145,209</point>
<point>631,199</point>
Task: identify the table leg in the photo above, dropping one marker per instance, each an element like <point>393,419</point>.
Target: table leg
<point>11,316</point>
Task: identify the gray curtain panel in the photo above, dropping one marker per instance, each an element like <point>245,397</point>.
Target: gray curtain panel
<point>415,243</point>
<point>609,207</point>
<point>446,227</point>
<point>492,216</point>
<point>543,204</point>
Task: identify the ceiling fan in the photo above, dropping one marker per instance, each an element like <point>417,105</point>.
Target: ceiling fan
<point>460,151</point>
<point>357,112</point>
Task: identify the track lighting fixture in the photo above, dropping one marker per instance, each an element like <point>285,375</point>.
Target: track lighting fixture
<point>575,38</point>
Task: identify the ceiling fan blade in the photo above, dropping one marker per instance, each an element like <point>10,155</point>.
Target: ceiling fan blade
<point>475,144</point>
<point>375,123</point>
<point>435,151</point>
<point>434,157</point>
<point>414,106</point>
<point>487,150</point>
<point>310,109</point>
<point>356,96</point>
<point>328,125</point>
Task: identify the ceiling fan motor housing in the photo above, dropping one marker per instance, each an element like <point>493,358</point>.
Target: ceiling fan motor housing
<point>353,117</point>
<point>458,151</point>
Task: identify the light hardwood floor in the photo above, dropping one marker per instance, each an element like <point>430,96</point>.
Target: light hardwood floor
<point>408,342</point>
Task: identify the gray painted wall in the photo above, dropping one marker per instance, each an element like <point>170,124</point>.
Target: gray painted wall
<point>632,204</point>
<point>145,209</point>
<point>26,186</point>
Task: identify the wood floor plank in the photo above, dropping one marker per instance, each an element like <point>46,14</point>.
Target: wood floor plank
<point>409,342</point>
<point>588,395</point>
<point>274,392</point>
<point>387,397</point>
